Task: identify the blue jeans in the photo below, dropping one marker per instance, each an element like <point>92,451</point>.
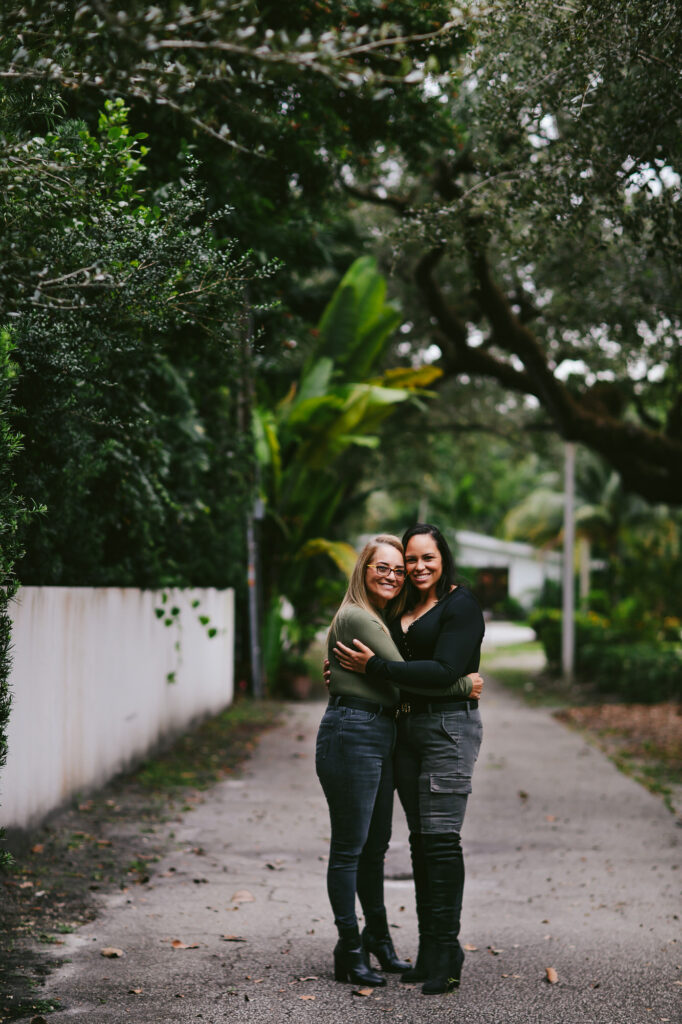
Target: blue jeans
<point>354,762</point>
<point>434,763</point>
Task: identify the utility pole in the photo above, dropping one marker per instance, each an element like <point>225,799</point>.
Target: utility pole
<point>567,620</point>
<point>255,512</point>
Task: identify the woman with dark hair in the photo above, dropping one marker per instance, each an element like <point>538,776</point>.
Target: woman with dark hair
<point>354,762</point>
<point>439,635</point>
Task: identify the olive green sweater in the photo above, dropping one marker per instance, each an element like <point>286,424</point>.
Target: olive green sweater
<point>354,623</point>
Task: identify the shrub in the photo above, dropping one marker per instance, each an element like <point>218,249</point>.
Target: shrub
<point>605,653</point>
<point>590,628</point>
<point>511,609</point>
<point>640,672</point>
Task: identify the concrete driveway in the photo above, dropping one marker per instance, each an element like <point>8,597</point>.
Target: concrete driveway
<point>570,865</point>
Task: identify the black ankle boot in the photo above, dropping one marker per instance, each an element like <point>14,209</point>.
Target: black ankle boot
<point>350,961</point>
<point>418,971</point>
<point>445,970</point>
<point>376,940</point>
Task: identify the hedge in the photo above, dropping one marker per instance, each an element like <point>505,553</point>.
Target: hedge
<point>642,671</point>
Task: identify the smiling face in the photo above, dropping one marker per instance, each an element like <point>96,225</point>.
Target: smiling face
<point>423,562</point>
<point>381,589</point>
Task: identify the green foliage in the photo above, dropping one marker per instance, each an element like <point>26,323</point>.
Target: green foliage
<point>547,240</point>
<point>12,513</point>
<point>511,609</point>
<point>638,543</point>
<point>128,317</point>
<point>638,672</point>
<point>306,443</point>
<point>626,654</point>
<point>238,71</point>
<point>589,628</point>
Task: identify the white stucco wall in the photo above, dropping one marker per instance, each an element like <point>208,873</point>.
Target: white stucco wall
<point>90,689</point>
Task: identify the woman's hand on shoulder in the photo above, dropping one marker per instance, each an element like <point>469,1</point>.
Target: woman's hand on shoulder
<point>477,685</point>
<point>326,673</point>
<point>353,659</point>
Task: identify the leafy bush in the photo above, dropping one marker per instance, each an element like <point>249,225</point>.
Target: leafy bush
<point>550,595</point>
<point>590,628</point>
<point>617,656</point>
<point>640,672</point>
<point>127,323</point>
<point>511,609</point>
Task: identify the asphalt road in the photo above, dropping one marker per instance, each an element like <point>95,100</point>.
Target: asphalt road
<point>570,865</point>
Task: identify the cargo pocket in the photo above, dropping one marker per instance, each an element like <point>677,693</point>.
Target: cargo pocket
<point>454,783</point>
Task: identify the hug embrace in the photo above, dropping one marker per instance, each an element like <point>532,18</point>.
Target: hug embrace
<point>404,651</point>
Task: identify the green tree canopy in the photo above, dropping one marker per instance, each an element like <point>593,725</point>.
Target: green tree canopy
<point>546,243</point>
<point>126,317</point>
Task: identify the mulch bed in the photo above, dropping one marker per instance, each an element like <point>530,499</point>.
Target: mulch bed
<point>634,727</point>
<point>643,740</point>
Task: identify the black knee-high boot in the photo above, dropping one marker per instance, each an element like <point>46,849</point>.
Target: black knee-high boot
<point>376,939</point>
<point>445,869</point>
<point>350,960</point>
<point>418,971</point>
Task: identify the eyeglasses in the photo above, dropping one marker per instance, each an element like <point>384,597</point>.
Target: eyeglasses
<point>386,570</point>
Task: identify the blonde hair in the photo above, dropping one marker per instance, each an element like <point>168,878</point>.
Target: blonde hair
<point>356,594</point>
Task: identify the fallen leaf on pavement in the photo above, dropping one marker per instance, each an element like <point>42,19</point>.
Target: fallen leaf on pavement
<point>469,948</point>
<point>552,976</point>
<point>111,952</point>
<point>495,952</point>
<point>523,795</point>
<point>306,997</point>
<point>309,977</point>
<point>550,817</point>
<point>134,991</point>
<point>243,896</point>
<point>274,867</point>
<point>38,848</point>
<point>25,885</point>
<point>177,944</point>
<point>363,992</point>
<point>233,938</point>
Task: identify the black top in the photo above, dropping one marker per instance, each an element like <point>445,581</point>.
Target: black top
<point>440,646</point>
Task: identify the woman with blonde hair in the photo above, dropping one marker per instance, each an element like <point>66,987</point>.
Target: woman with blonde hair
<point>354,762</point>
<point>439,634</point>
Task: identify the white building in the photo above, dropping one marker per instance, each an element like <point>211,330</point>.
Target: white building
<point>505,566</point>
